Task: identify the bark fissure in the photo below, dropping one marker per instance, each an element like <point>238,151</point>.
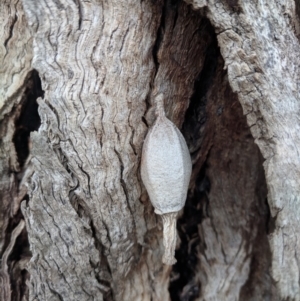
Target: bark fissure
<point>159,37</point>
<point>184,287</point>
<point>264,76</point>
<point>196,117</point>
<point>223,212</point>
<point>15,18</point>
<point>4,272</point>
<point>28,119</point>
<point>21,121</point>
<point>103,276</point>
<point>183,284</point>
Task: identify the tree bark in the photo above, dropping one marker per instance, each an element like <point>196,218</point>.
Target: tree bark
<point>92,69</point>
<point>259,44</point>
<point>18,91</point>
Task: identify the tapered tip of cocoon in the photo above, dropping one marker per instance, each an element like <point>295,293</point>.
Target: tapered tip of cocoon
<point>169,237</point>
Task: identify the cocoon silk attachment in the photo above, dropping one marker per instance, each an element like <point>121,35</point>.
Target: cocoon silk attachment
<point>166,170</point>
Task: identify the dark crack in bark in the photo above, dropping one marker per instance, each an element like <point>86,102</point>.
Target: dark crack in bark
<point>183,286</point>
<point>196,116</point>
<point>28,119</point>
<point>25,119</point>
<point>227,199</point>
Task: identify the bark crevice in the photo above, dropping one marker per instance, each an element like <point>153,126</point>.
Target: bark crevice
<point>21,121</point>
<point>196,115</point>
<point>183,283</point>
<point>28,119</point>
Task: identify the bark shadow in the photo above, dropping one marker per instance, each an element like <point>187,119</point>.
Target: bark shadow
<point>226,219</point>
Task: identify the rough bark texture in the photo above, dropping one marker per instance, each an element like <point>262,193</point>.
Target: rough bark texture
<point>96,67</point>
<point>96,234</point>
<point>258,41</point>
<point>13,76</point>
<point>18,116</point>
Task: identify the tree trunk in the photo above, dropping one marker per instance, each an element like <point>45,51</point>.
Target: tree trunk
<point>77,97</point>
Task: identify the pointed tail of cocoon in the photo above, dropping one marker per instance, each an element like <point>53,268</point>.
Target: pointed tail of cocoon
<point>169,223</point>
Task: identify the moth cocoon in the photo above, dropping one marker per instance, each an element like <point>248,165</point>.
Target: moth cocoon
<point>166,169</point>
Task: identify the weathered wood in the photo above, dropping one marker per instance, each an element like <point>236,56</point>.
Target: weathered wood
<point>233,232</point>
<point>16,82</point>
<point>92,230</point>
<point>258,41</point>
<point>87,213</point>
<point>15,61</point>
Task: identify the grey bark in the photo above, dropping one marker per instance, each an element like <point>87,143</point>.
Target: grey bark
<point>259,44</point>
<point>16,81</point>
<point>92,231</point>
